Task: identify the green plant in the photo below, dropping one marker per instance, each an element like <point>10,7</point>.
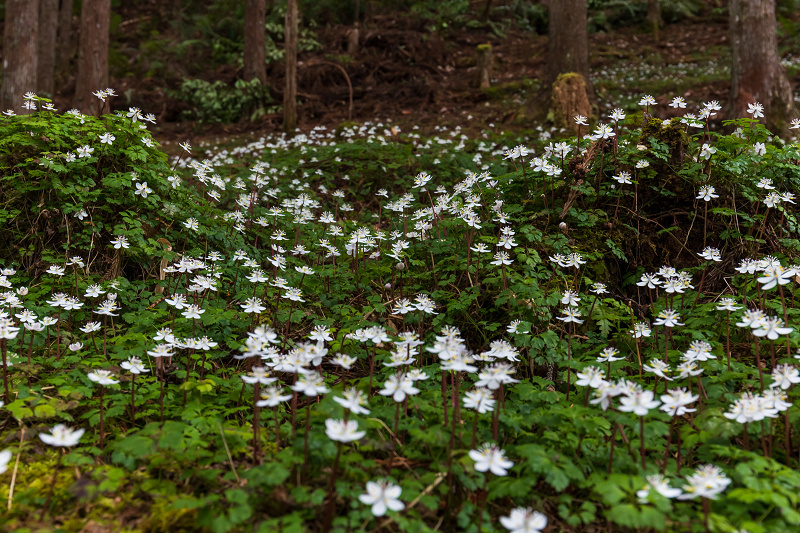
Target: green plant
<point>318,314</point>
<point>219,102</point>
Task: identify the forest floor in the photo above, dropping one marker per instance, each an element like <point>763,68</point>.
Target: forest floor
<point>407,74</point>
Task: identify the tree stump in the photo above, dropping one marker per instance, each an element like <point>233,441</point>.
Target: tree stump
<point>484,63</point>
<point>570,97</point>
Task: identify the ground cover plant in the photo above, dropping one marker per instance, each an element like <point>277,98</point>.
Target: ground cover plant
<point>374,329</point>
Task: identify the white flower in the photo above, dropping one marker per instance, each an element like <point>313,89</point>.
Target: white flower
<point>142,189</point>
<point>651,281</point>
<point>102,377</point>
<point>707,482</point>
<point>492,458</point>
<point>772,328</point>
<point>776,275</point>
<point>271,396</point>
<point>523,520</point>
<point>647,100</point>
<point>343,430</point>
<point>772,199</point>
<point>120,242</point>
<point>640,329</point>
<point>727,304</point>
<point>707,192</point>
<point>85,151</point>
<point>260,375</point>
<point>398,386</point>
<point>353,400</point>
<point>623,178</point>
<point>710,253</point>
<point>706,151</point>
<point>591,376</point>
<point>382,496</point>
<point>570,315</point>
<point>193,311</point>
<point>678,102</point>
<point>676,400</point>
<point>479,399</point>
<point>668,318</point>
<point>5,457</point>
<point>134,365</point>
<point>604,131</point>
<point>657,482</point>
<point>609,355</point>
<point>495,375</point>
<point>784,376</point>
<point>253,305</point>
<point>311,384</point>
<point>639,402</point>
<point>513,327</point>
<point>61,435</point>
<point>755,109</point>
<point>658,367</point>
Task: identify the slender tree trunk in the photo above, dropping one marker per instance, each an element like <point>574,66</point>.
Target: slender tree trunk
<point>290,48</point>
<point>48,28</point>
<point>756,72</point>
<point>568,41</point>
<point>654,17</point>
<point>254,38</point>
<point>93,54</point>
<point>20,41</point>
<point>64,50</point>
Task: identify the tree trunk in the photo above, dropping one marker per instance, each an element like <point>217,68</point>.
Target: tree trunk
<point>756,72</point>
<point>255,13</point>
<point>93,54</point>
<point>48,28</point>
<point>64,50</point>
<point>654,18</point>
<point>290,49</point>
<point>20,41</point>
<point>568,42</point>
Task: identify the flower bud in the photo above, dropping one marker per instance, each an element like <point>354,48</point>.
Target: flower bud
<point>400,266</point>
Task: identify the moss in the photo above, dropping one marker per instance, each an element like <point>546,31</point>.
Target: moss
<point>505,90</point>
<point>164,518</point>
<point>670,132</point>
<point>346,125</point>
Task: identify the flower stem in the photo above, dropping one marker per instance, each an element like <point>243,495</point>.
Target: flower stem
<point>46,505</point>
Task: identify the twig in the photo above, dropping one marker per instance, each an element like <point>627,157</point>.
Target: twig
<point>230,459</point>
<point>16,465</point>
